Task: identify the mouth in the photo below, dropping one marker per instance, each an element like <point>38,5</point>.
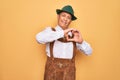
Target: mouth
<point>64,22</point>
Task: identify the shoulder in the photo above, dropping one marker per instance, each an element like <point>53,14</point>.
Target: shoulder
<point>48,28</point>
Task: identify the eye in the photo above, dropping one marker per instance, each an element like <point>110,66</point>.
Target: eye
<point>63,15</point>
<point>69,17</point>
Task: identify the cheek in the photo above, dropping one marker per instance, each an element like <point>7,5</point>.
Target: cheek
<point>60,19</point>
<point>69,21</point>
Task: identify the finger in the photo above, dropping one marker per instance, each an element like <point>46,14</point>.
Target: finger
<point>70,29</point>
<point>75,30</point>
<point>69,39</point>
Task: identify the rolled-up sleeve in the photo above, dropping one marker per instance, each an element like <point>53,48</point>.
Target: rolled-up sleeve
<point>84,47</point>
<point>48,35</point>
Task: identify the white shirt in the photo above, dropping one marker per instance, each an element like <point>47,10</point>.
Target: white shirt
<point>60,49</point>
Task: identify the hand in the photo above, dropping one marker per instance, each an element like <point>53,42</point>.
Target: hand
<point>67,30</point>
<point>77,37</point>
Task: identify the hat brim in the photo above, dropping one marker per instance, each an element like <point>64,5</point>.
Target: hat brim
<point>58,11</point>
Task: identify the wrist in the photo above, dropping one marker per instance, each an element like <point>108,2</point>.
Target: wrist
<point>80,41</point>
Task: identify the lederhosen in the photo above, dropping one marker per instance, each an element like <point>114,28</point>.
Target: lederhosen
<point>60,69</point>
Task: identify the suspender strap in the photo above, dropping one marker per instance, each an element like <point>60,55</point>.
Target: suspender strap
<point>51,50</point>
<point>51,46</point>
<point>74,51</point>
<point>53,29</point>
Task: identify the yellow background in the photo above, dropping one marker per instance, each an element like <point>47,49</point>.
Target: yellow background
<point>22,58</point>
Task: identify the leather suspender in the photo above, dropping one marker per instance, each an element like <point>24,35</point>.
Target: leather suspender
<point>74,51</point>
<point>51,50</point>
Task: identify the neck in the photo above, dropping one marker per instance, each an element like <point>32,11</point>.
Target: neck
<point>64,27</point>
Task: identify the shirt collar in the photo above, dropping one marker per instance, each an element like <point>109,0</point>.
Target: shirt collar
<point>58,27</point>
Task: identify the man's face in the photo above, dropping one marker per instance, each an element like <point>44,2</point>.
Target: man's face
<point>64,19</point>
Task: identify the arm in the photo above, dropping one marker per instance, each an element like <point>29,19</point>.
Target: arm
<point>84,47</point>
<point>48,35</point>
<point>80,43</point>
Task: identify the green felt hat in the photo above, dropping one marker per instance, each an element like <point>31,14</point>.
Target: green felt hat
<point>67,9</point>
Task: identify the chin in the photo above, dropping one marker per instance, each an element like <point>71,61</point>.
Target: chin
<point>64,27</point>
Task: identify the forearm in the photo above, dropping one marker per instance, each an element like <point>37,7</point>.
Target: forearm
<point>48,35</point>
<point>84,47</point>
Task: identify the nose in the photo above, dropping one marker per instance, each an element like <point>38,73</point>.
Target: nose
<point>65,18</point>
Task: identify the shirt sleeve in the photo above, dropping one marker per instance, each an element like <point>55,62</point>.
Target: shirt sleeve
<point>84,47</point>
<point>48,35</point>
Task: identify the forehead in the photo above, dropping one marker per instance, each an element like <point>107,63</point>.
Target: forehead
<point>65,13</point>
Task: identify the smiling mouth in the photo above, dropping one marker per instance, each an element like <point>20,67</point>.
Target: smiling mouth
<point>64,22</point>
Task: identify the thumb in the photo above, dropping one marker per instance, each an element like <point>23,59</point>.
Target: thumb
<point>69,39</point>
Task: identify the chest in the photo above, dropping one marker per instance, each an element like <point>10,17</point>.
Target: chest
<point>62,49</point>
<point>62,45</point>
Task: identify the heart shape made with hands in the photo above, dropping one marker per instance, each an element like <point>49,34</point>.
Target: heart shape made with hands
<point>72,35</point>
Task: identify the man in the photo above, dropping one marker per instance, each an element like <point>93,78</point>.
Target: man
<point>61,44</point>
